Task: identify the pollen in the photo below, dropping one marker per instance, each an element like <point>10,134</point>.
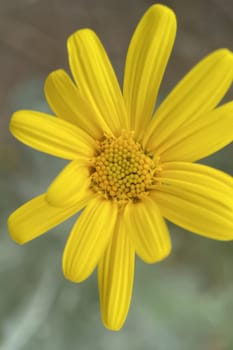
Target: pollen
<point>122,171</point>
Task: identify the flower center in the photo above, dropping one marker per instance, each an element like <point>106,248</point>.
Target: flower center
<point>122,170</point>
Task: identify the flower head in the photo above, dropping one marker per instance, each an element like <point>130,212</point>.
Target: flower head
<point>130,167</point>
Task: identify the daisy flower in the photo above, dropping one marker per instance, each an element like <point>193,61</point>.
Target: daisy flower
<point>130,167</point>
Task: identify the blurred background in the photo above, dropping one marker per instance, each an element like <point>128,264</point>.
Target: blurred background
<point>185,302</point>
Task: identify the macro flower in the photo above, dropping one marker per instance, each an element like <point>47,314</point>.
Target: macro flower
<point>131,165</point>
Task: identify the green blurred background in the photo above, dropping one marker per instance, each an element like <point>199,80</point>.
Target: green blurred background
<point>183,303</point>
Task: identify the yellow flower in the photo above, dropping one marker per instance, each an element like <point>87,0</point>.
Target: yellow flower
<point>130,167</point>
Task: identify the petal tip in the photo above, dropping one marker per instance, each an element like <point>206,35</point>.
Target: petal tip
<point>13,233</point>
<point>111,322</point>
<point>69,275</point>
<point>224,53</point>
<point>52,75</point>
<point>163,9</point>
<point>112,327</point>
<point>77,33</point>
<point>14,118</point>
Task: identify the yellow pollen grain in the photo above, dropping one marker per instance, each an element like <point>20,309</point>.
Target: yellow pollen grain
<point>122,171</point>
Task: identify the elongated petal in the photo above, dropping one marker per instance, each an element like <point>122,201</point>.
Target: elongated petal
<point>200,174</point>
<point>67,103</point>
<point>198,198</point>
<point>115,277</point>
<point>197,93</point>
<point>70,185</point>
<point>89,239</point>
<point>36,217</point>
<point>202,137</point>
<point>51,135</point>
<point>146,61</point>
<point>147,230</point>
<point>95,78</point>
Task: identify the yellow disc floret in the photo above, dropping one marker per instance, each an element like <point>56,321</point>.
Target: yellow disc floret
<point>122,171</point>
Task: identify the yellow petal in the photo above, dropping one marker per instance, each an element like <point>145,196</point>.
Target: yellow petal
<point>67,103</point>
<point>197,93</point>
<point>147,230</point>
<point>146,61</point>
<point>200,174</point>
<point>88,239</point>
<point>202,137</point>
<point>51,135</point>
<point>36,217</point>
<point>198,198</point>
<point>70,186</point>
<point>115,277</point>
<point>96,79</point>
